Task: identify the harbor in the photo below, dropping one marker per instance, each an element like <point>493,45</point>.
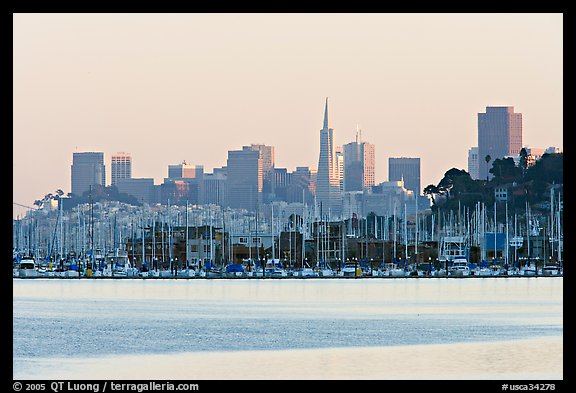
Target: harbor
<point>115,240</point>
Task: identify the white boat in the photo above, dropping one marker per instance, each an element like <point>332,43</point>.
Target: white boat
<point>307,272</point>
<point>154,273</point>
<point>551,270</point>
<point>274,269</point>
<point>397,271</point>
<point>165,273</point>
<point>71,273</point>
<point>27,268</point>
<point>459,267</point>
<point>326,272</point>
<point>186,273</point>
<point>351,269</point>
<point>440,272</point>
<point>528,271</point>
<point>496,270</point>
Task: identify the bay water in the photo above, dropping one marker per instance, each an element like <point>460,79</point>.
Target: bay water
<point>232,329</point>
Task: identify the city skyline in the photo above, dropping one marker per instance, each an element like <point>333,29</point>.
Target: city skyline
<point>169,88</point>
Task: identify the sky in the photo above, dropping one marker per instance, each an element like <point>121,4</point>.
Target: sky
<point>169,87</point>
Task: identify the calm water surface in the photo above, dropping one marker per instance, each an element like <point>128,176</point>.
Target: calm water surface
<point>435,328</point>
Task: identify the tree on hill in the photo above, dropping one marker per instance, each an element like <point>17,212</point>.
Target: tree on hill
<point>505,170</point>
<point>455,187</point>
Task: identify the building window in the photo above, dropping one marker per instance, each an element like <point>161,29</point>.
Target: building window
<point>256,240</point>
<point>243,240</point>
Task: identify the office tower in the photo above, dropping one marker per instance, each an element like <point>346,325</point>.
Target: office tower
<point>121,167</point>
<point>185,170</point>
<point>473,163</point>
<point>88,169</point>
<point>499,135</point>
<point>214,188</point>
<point>339,157</point>
<point>280,183</point>
<point>244,182</point>
<point>328,195</point>
<point>300,188</point>
<point>267,156</point>
<point>359,163</point>
<point>183,184</point>
<point>407,169</point>
<point>140,188</point>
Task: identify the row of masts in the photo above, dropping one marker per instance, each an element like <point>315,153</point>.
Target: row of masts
<point>79,232</point>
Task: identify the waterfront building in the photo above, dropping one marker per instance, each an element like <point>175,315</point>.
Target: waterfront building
<point>499,135</point>
<point>121,167</point>
<point>88,169</point>
<point>406,169</point>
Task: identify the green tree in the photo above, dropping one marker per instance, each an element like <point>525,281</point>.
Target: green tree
<point>505,170</point>
<point>487,159</point>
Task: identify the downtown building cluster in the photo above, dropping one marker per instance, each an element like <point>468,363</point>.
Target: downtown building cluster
<point>342,186</point>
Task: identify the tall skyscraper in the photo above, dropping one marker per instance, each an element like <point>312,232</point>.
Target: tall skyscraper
<point>328,195</point>
<point>267,156</point>
<point>407,169</point>
<point>473,163</point>
<point>244,178</point>
<point>339,157</point>
<point>499,135</point>
<point>359,163</point>
<point>88,169</point>
<point>121,167</point>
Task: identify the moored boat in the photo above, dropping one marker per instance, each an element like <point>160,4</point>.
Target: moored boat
<point>27,267</point>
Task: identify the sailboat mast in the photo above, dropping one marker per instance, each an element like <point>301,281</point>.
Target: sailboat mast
<point>405,237</point>
<point>272,230</point>
<point>187,256</point>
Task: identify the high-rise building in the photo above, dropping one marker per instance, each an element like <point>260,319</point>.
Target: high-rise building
<point>328,195</point>
<point>142,189</point>
<point>88,169</point>
<point>473,163</point>
<point>244,182</point>
<point>185,170</point>
<point>499,135</point>
<point>183,184</point>
<point>359,163</point>
<point>267,156</point>
<point>406,169</point>
<point>339,156</point>
<point>121,167</point>
<point>214,188</point>
<point>301,187</point>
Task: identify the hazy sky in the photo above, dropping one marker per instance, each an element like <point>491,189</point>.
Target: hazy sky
<point>172,87</point>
